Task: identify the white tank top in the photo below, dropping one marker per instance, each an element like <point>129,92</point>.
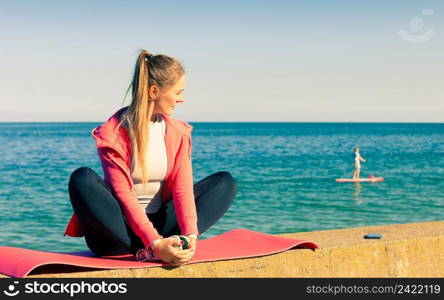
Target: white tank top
<point>357,156</point>
<point>156,157</point>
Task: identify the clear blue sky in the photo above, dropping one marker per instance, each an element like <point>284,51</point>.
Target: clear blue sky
<point>291,61</point>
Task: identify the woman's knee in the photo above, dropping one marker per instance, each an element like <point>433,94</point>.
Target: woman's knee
<point>227,182</point>
<point>81,176</point>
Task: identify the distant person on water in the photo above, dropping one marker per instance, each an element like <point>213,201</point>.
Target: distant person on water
<point>358,159</point>
<point>147,196</point>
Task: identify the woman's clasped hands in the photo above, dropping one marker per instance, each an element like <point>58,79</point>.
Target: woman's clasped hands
<point>170,250</point>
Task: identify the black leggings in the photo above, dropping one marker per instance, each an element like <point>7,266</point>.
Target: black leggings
<point>107,231</point>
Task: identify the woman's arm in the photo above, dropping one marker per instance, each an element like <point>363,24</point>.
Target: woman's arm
<point>183,194</point>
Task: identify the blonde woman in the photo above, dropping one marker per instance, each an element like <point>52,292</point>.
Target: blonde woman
<point>147,194</point>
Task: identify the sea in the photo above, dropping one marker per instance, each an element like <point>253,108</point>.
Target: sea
<point>285,174</point>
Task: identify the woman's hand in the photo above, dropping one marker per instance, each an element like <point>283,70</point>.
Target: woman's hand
<point>193,244</point>
<point>168,250</point>
<point>189,252</point>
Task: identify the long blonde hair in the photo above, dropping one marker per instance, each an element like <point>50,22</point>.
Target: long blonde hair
<point>162,71</point>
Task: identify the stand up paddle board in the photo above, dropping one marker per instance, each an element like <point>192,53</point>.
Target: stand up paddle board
<point>372,179</point>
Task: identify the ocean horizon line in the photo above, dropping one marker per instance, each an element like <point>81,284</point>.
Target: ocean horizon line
<point>232,122</point>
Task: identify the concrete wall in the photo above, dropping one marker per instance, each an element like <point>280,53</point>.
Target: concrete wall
<point>405,250</point>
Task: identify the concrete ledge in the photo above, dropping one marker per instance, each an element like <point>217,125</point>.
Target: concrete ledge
<point>405,250</point>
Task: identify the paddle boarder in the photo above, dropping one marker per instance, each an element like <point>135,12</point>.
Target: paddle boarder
<point>358,159</point>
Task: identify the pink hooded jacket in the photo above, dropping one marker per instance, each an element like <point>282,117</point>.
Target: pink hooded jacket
<point>115,152</point>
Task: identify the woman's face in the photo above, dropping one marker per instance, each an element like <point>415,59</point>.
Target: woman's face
<point>166,103</point>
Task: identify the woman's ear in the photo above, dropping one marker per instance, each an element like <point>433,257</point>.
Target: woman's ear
<point>153,92</point>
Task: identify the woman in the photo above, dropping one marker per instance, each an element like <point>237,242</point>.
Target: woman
<point>147,193</point>
<point>358,159</point>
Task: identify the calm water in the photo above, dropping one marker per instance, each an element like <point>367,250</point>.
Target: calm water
<point>285,172</point>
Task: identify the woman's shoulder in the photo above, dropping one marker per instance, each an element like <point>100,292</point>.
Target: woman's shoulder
<point>181,126</point>
<point>112,129</point>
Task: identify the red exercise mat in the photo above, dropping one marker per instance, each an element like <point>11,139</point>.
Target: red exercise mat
<point>234,244</point>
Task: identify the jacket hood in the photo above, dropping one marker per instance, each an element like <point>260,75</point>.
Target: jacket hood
<point>109,132</point>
